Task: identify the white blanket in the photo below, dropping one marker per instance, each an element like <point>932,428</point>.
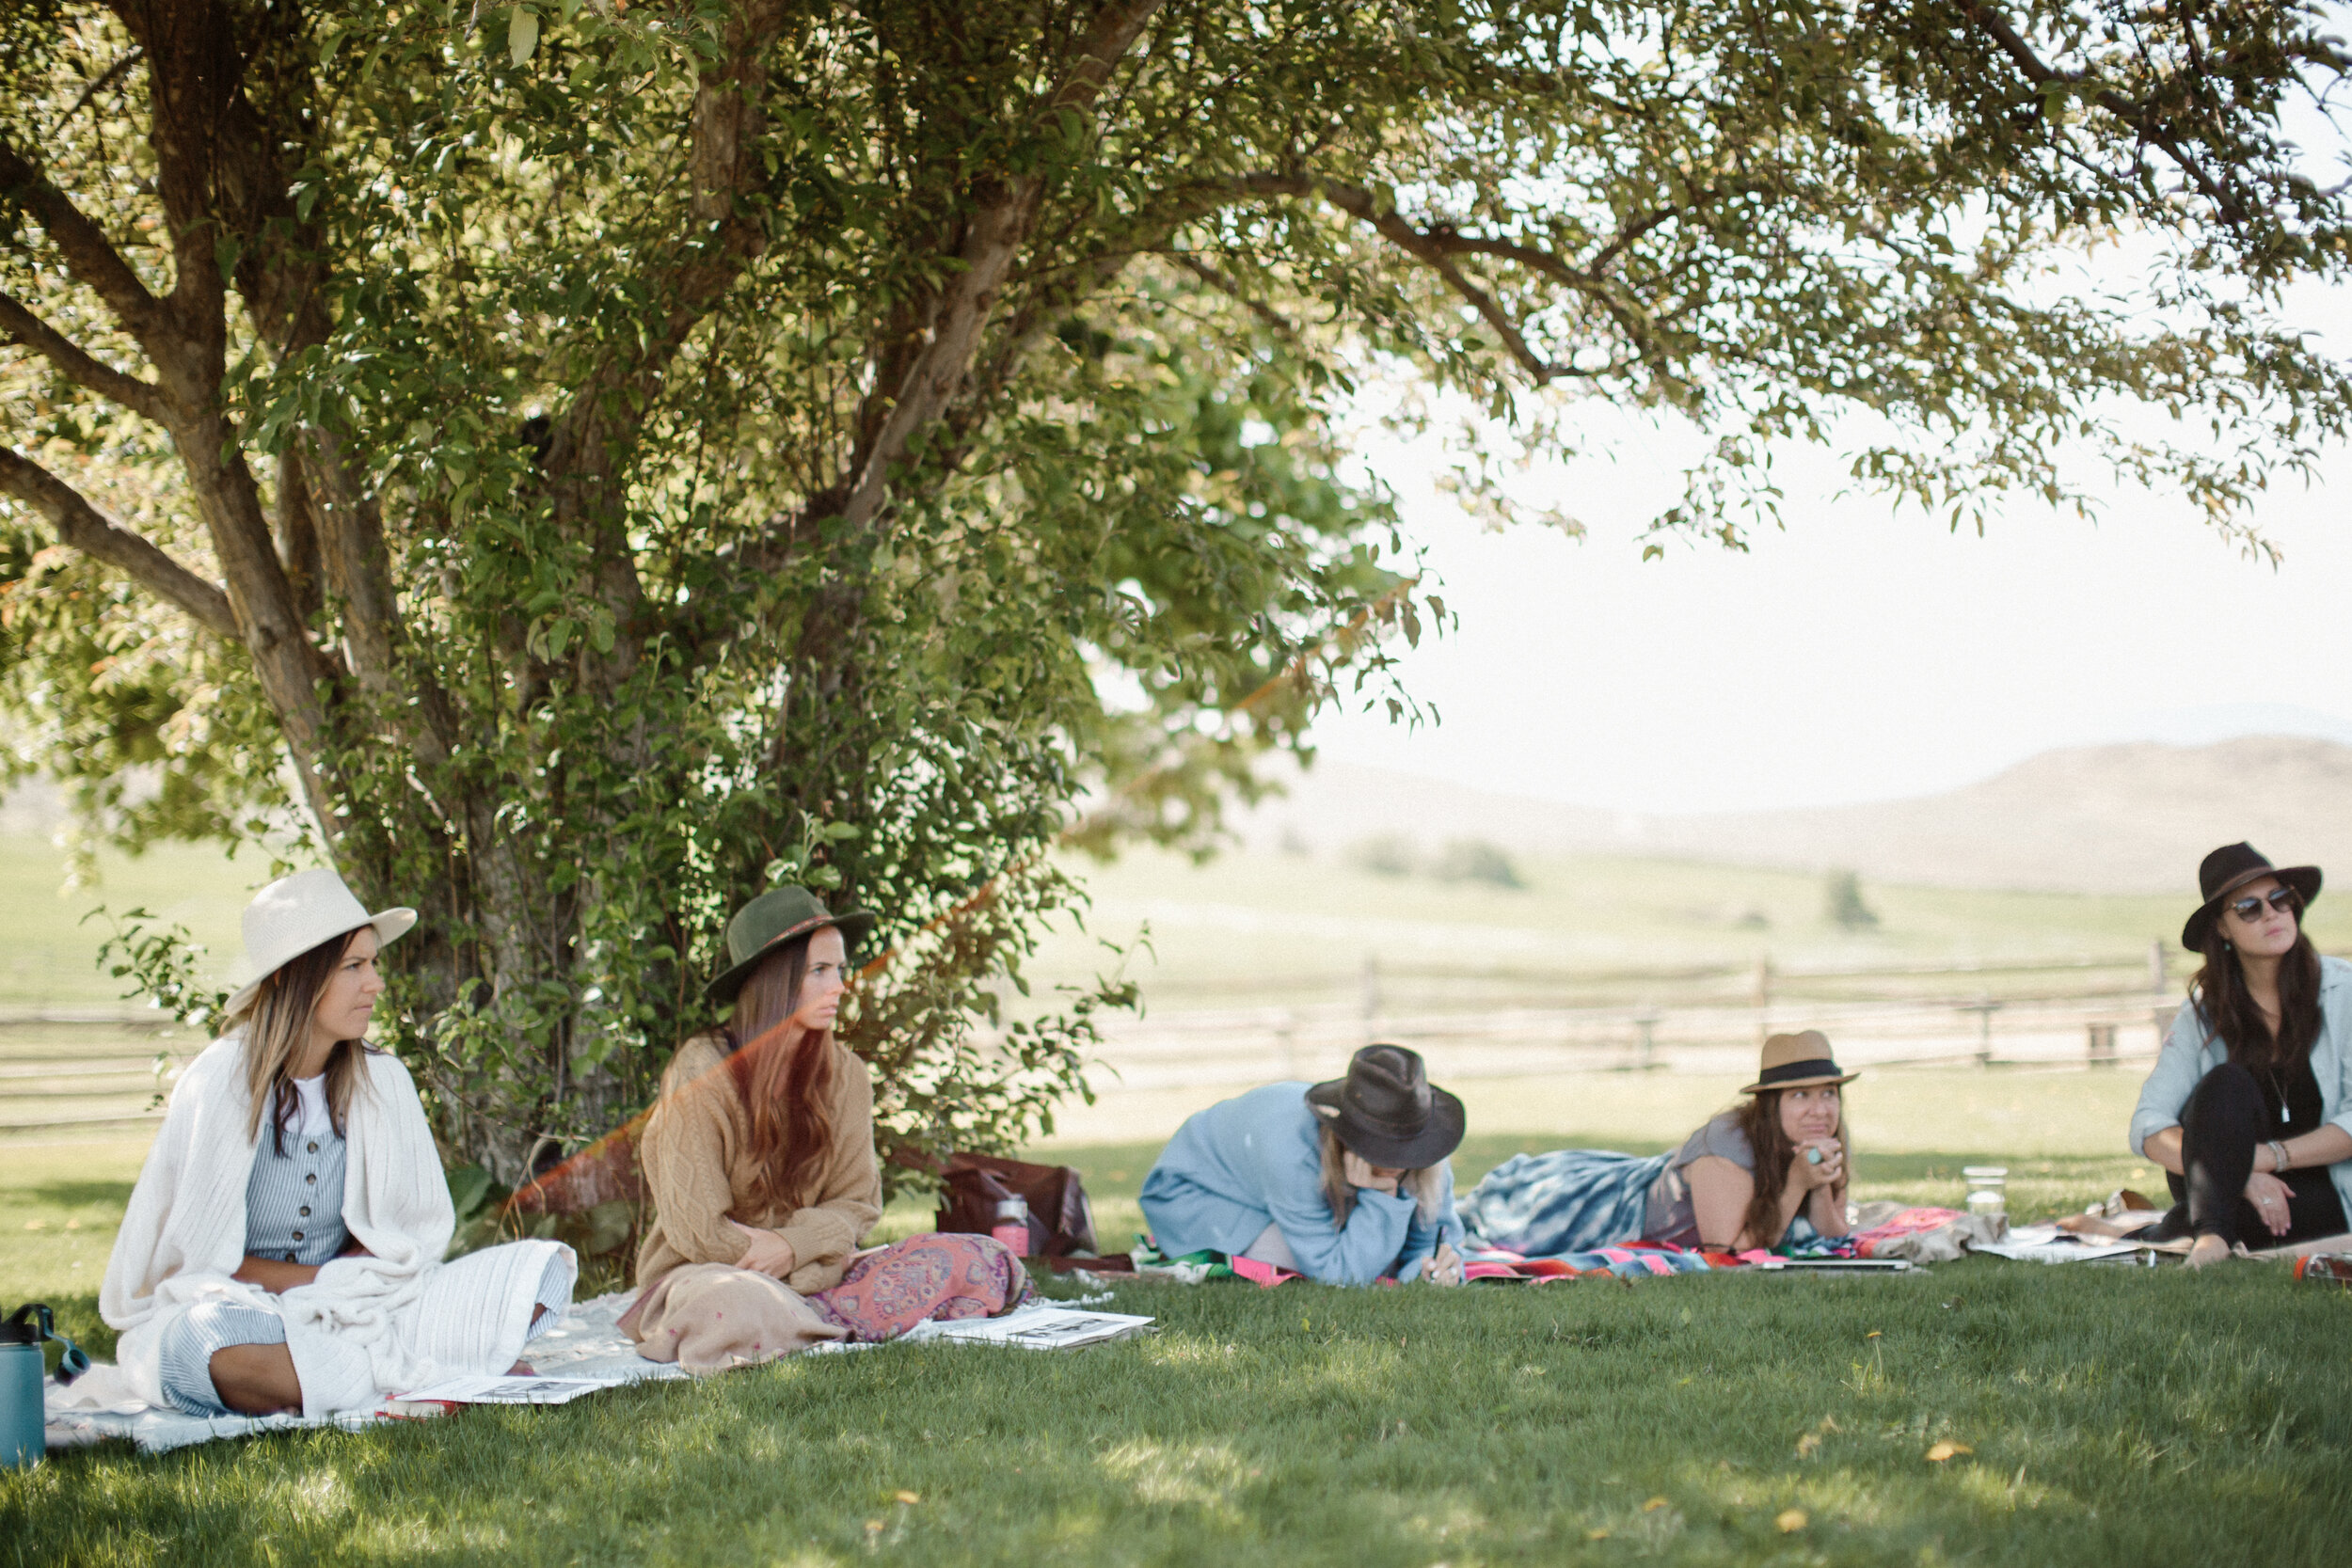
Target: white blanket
<point>393,1319</point>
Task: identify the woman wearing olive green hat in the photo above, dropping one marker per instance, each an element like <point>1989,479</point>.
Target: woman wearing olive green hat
<point>759,1156</point>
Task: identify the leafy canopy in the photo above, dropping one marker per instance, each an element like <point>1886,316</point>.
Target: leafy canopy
<point>591,459</point>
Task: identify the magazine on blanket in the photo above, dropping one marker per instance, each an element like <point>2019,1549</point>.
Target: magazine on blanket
<point>1038,1328</point>
<point>509,1390</point>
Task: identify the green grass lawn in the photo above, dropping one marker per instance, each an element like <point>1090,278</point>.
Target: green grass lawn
<point>2111,1416</point>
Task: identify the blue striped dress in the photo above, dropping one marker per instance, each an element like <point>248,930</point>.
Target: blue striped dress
<point>293,1214</point>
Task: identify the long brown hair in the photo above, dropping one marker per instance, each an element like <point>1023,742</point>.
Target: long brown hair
<point>2227,1006</point>
<point>784,1074</point>
<point>1759,1119</point>
<point>278,1027</point>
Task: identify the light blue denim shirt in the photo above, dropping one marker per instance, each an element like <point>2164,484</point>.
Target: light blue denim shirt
<point>1256,1160</point>
<point>2191,1051</point>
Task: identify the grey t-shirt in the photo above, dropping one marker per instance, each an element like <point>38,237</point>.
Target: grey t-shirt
<point>1668,1216</point>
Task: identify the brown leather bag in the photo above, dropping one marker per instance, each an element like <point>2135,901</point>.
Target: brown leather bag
<point>1061,1222</point>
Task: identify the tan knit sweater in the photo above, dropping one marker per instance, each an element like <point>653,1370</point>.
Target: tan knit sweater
<point>696,1156</point>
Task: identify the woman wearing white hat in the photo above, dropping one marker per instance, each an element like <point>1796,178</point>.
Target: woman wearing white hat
<point>282,1249</point>
<point>1770,1173</point>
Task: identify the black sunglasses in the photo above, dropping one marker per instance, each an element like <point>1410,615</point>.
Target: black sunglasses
<point>2249,907</point>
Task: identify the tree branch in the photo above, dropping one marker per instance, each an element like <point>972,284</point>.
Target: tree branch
<point>1115,31</point>
<point>90,256</point>
<point>86,528</point>
<point>1224,283</point>
<point>1434,250</point>
<point>723,167</point>
<point>96,85</point>
<point>992,237</point>
<point>20,325</point>
<point>2039,71</point>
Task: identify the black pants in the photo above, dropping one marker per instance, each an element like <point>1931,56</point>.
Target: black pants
<point>2224,1119</point>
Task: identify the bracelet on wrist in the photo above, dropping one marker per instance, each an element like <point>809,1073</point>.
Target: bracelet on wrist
<point>2279,1157</point>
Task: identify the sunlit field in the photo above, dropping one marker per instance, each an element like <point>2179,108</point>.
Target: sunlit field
<point>2085,1415</point>
<point>2089,1414</point>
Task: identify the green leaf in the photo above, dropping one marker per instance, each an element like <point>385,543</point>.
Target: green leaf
<point>522,33</point>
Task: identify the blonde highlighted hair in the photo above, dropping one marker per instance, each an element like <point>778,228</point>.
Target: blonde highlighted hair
<point>277,1029</point>
<point>1426,1187</point>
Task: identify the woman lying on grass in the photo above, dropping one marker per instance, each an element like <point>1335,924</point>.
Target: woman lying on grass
<point>1344,1182</point>
<point>759,1155</point>
<point>2249,1108</point>
<point>1771,1173</point>
<point>282,1249</point>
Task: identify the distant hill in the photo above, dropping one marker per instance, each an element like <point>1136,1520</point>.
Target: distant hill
<point>2126,818</point>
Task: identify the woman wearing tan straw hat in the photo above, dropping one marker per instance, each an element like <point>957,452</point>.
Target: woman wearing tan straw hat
<point>1772,1172</point>
<point>759,1155</point>
<point>1345,1182</point>
<point>2249,1108</point>
<point>282,1249</point>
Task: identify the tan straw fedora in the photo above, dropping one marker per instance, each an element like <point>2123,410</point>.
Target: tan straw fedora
<point>296,913</point>
<point>1792,1061</point>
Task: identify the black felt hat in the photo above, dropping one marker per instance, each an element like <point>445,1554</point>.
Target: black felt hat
<point>777,916</point>
<point>1385,1110</point>
<point>2230,868</point>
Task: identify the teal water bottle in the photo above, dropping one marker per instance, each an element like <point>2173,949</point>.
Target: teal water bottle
<point>21,1441</point>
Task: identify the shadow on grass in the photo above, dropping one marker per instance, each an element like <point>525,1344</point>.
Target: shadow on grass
<point>2116,1418</point>
<point>114,1196</point>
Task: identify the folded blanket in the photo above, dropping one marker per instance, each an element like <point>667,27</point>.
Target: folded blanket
<point>1915,1235</point>
<point>1623,1262</point>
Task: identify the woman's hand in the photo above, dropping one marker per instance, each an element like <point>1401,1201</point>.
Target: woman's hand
<point>1806,1176</point>
<point>767,1253</point>
<point>1442,1267</point>
<point>1359,1172</point>
<point>2271,1198</point>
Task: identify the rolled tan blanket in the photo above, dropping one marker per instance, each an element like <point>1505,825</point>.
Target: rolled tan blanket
<point>708,1317</point>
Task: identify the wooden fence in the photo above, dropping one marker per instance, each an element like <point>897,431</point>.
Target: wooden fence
<point>98,1071</point>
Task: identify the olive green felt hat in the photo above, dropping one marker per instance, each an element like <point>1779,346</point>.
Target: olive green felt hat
<point>777,916</point>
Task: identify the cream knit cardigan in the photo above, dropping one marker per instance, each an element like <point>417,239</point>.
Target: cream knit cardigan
<point>367,1326</point>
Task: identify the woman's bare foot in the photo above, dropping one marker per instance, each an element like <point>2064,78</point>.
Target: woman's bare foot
<point>2209,1249</point>
<point>522,1368</point>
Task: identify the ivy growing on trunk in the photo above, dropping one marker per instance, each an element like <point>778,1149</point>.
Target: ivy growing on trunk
<point>587,460</point>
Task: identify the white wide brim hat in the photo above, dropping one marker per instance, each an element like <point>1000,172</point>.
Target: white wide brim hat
<point>296,913</point>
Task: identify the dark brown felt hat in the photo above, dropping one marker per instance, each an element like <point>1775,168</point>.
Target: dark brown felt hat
<point>2230,868</point>
<point>775,917</point>
<point>1793,1061</point>
<point>1387,1111</point>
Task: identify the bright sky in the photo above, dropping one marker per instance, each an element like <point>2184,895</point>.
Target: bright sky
<point>1862,654</point>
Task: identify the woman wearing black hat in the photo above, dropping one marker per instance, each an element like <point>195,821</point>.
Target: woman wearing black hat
<point>759,1156</point>
<point>2249,1108</point>
<point>1344,1182</point>
<point>1770,1172</point>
